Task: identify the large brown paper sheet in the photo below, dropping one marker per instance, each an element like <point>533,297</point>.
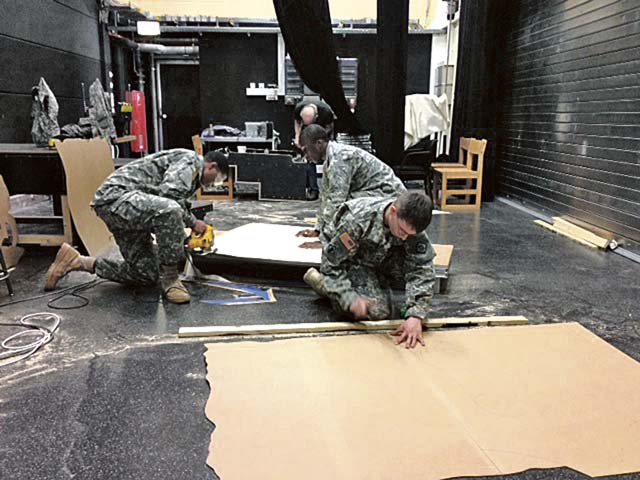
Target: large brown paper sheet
<point>473,402</point>
<point>86,165</point>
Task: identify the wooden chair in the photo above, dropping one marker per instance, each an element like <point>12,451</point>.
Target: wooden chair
<point>197,144</point>
<point>468,171</point>
<point>197,147</point>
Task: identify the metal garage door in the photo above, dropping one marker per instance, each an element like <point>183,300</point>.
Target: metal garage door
<point>570,120</point>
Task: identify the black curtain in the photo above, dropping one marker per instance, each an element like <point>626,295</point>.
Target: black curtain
<point>391,78</point>
<point>308,35</point>
<point>483,28</point>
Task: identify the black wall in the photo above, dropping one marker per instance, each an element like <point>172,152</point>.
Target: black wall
<point>229,62</point>
<point>570,117</point>
<point>59,40</point>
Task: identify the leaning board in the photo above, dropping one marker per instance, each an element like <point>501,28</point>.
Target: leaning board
<point>86,165</point>
<point>474,402</point>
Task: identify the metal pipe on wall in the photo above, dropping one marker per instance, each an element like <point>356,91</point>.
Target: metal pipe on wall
<point>160,115</point>
<point>154,100</point>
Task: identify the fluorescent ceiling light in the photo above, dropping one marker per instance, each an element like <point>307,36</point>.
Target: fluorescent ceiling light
<point>148,28</point>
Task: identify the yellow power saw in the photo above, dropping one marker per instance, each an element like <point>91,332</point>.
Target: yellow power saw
<point>201,243</point>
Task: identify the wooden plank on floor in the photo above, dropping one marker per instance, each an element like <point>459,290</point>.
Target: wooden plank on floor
<point>365,326</point>
<point>443,255</point>
<point>561,231</point>
<point>580,232</point>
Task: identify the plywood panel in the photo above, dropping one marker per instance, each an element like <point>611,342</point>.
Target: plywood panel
<point>86,164</point>
<point>278,243</point>
<point>473,402</point>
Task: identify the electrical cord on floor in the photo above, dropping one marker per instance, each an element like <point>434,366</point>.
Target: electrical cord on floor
<point>74,293</point>
<point>10,345</point>
<point>60,294</point>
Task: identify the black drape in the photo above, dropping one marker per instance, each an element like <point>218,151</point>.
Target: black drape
<point>391,78</point>
<point>475,110</point>
<point>308,35</point>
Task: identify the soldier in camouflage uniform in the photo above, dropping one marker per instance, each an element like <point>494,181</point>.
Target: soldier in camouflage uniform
<point>348,172</point>
<point>378,244</point>
<point>149,195</point>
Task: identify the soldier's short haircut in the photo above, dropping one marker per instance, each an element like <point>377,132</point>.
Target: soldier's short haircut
<point>416,209</point>
<point>219,158</point>
<point>312,133</point>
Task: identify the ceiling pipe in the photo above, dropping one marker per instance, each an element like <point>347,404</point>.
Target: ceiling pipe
<point>156,48</point>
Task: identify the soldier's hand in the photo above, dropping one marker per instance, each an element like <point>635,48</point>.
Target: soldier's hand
<point>311,245</point>
<point>409,332</point>
<point>199,227</point>
<point>308,233</point>
<point>360,308</point>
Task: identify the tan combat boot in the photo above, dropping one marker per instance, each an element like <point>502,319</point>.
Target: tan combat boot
<point>315,280</point>
<point>172,288</point>
<point>67,260</point>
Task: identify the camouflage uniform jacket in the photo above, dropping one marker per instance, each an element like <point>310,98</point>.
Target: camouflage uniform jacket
<point>173,174</point>
<point>362,238</point>
<point>350,172</point>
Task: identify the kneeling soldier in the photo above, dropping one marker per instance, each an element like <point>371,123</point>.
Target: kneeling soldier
<point>379,243</point>
<point>149,195</point>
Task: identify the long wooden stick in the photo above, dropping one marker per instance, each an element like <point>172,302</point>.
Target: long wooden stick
<point>366,326</point>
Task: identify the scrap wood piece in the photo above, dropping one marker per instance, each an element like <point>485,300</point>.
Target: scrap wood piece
<point>443,255</point>
<point>580,232</point>
<point>566,233</point>
<point>364,326</point>
<point>12,253</point>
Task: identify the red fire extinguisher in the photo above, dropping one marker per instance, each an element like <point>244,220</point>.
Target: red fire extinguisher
<point>138,120</point>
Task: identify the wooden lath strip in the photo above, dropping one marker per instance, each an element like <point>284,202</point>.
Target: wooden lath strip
<point>365,326</point>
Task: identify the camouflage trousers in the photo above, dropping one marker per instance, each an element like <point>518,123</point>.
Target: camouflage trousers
<point>131,220</point>
<point>375,285</point>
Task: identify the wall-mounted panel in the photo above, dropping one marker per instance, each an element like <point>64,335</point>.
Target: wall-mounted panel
<point>52,24</point>
<point>59,40</point>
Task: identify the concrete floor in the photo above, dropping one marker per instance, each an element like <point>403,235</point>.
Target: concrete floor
<point>117,395</point>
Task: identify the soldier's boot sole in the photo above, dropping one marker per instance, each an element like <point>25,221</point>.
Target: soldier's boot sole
<point>67,260</point>
<point>176,292</point>
<point>315,280</point>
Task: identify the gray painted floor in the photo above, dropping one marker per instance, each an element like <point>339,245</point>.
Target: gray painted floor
<point>117,395</point>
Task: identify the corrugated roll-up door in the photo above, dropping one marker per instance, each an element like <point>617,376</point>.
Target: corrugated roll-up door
<point>569,136</point>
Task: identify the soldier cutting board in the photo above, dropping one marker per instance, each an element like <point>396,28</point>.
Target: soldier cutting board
<point>472,402</point>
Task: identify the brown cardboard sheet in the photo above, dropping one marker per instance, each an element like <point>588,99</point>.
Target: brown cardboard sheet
<point>86,164</point>
<point>473,402</point>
